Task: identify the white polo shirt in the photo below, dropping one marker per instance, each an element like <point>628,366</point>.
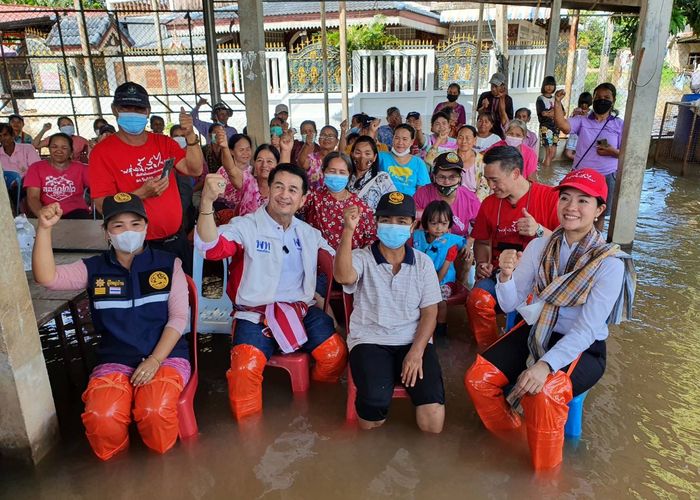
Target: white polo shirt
<point>387,306</point>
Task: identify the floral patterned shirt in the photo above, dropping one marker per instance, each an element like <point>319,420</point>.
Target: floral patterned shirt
<point>325,213</point>
<point>248,199</point>
<point>314,173</point>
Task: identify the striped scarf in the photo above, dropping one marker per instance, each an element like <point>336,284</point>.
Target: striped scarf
<point>572,288</point>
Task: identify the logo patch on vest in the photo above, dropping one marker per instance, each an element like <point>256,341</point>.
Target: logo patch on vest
<point>263,246</point>
<point>158,280</point>
<point>155,280</point>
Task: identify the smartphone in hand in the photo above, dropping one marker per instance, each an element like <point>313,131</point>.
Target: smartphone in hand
<point>169,164</point>
<point>603,143</point>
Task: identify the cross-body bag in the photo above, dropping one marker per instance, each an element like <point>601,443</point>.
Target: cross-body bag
<point>592,143</point>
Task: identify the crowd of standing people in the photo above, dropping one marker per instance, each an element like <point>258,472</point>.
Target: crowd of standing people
<point>414,217</point>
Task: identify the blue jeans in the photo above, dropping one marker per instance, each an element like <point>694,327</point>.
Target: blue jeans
<point>319,327</point>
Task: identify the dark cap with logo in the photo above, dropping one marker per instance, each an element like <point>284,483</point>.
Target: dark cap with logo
<point>122,203</point>
<point>448,161</point>
<point>413,115</point>
<point>396,204</point>
<point>131,94</point>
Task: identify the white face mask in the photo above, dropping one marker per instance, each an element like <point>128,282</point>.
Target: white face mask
<point>181,141</point>
<point>400,155</point>
<point>514,141</point>
<point>128,241</point>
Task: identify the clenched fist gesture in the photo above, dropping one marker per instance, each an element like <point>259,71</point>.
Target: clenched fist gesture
<point>351,217</point>
<point>49,215</point>
<point>507,262</point>
<point>214,186</point>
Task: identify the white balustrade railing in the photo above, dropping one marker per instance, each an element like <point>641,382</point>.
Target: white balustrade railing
<point>526,69</point>
<point>232,78</point>
<point>404,70</point>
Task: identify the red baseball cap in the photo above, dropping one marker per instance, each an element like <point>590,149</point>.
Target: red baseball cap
<point>586,180</point>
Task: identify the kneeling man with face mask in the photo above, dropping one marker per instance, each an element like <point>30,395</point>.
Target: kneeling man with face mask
<point>396,295</point>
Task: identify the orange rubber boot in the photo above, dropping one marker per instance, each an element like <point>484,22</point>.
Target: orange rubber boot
<point>545,417</point>
<point>485,383</point>
<point>155,409</point>
<point>481,314</point>
<point>108,414</point>
<point>331,357</point>
<point>245,380</point>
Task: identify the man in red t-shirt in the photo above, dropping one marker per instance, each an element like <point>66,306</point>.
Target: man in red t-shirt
<point>516,212</point>
<point>133,160</point>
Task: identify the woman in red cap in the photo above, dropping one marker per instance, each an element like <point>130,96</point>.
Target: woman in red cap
<point>580,284</point>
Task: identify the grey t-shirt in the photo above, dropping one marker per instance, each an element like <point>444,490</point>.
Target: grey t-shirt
<point>387,307</point>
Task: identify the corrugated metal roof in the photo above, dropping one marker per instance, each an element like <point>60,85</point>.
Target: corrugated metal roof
<point>284,8</point>
<point>97,26</point>
<point>518,13</point>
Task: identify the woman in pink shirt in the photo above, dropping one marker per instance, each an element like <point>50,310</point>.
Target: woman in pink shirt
<point>81,147</point>
<point>516,132</point>
<point>138,304</point>
<point>15,157</point>
<point>58,179</point>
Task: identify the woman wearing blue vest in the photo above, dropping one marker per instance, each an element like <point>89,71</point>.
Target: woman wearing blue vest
<point>138,303</point>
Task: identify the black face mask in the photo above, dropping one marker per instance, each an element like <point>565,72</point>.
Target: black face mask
<point>602,106</point>
<point>446,190</point>
<point>451,97</point>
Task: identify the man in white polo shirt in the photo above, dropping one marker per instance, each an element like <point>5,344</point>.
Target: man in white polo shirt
<point>272,283</point>
<point>396,292</point>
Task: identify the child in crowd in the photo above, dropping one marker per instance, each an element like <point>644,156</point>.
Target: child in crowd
<point>442,247</point>
<point>585,101</point>
<point>549,133</point>
<point>524,115</point>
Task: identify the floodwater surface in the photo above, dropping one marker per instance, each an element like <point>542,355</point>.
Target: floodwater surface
<point>641,429</point>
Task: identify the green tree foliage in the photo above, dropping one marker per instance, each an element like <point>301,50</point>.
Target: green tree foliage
<point>369,37</point>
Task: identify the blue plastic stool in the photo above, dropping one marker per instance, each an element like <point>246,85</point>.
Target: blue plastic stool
<point>572,429</point>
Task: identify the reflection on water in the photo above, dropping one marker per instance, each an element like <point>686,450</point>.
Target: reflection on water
<point>641,435</point>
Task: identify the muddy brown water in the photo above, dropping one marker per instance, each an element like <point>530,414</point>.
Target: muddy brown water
<point>641,431</point>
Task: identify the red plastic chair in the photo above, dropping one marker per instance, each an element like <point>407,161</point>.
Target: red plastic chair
<point>297,363</point>
<point>350,413</point>
<point>185,405</point>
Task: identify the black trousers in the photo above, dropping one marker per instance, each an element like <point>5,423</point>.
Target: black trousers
<point>178,245</point>
<point>510,355</point>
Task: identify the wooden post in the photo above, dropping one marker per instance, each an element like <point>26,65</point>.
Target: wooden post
<point>571,59</point>
<point>477,64</point>
<point>324,49</point>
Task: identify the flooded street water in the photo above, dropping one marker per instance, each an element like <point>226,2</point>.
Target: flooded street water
<point>641,425</point>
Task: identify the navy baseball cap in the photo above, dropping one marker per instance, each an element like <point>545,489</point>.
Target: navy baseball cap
<point>123,203</point>
<point>131,94</point>
<point>396,203</point>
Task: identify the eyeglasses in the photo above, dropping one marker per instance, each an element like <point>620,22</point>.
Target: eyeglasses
<point>447,178</point>
<point>323,136</point>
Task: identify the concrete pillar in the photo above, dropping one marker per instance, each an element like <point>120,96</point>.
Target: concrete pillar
<point>344,62</point>
<point>553,37</point>
<point>28,424</point>
<point>654,20</point>
<point>476,68</point>
<point>254,69</point>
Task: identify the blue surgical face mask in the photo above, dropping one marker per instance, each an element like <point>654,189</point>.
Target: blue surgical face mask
<point>212,139</point>
<point>181,141</point>
<point>355,130</point>
<point>132,123</point>
<point>67,129</point>
<point>393,235</point>
<point>335,182</point>
<point>276,130</point>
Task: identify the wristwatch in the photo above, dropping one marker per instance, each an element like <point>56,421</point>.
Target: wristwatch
<point>539,232</point>
<point>195,143</point>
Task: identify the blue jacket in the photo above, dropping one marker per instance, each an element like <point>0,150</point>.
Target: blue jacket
<point>130,307</point>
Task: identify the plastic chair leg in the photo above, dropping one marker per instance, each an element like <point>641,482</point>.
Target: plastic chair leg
<point>350,413</point>
<point>297,365</point>
<point>574,422</point>
<point>187,421</point>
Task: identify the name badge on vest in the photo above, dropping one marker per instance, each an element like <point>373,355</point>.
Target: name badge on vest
<point>108,286</point>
